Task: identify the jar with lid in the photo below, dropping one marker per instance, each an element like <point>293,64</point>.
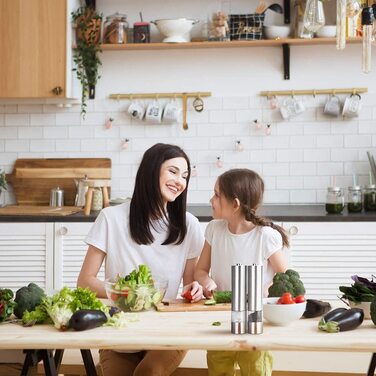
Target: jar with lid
<point>335,200</point>
<point>116,29</point>
<point>370,198</point>
<point>354,199</point>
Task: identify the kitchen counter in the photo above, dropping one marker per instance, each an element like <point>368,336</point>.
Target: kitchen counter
<point>278,213</point>
<point>190,330</point>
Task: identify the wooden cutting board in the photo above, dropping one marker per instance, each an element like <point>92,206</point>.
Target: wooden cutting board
<point>38,210</point>
<point>180,305</point>
<point>33,179</point>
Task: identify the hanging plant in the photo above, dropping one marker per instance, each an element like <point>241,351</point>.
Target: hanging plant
<point>86,53</point>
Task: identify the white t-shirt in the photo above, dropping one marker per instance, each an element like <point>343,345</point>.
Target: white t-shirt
<point>253,247</point>
<point>110,233</point>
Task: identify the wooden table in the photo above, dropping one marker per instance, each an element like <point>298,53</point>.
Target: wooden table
<point>190,330</point>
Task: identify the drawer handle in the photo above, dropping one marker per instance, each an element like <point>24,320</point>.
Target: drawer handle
<point>57,90</point>
<point>293,230</point>
<point>63,231</point>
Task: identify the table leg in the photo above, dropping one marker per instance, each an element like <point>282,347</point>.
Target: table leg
<point>372,365</point>
<point>58,358</point>
<point>48,362</point>
<point>88,362</point>
<point>32,358</point>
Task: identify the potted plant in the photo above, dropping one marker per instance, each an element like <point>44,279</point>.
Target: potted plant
<point>86,52</point>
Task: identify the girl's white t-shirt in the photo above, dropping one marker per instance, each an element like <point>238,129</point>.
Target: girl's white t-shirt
<point>110,233</point>
<point>253,247</point>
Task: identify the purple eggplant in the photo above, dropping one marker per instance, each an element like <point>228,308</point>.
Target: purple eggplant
<point>341,320</point>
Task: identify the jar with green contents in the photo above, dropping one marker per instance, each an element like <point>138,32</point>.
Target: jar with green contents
<point>369,198</point>
<point>335,200</point>
<point>354,199</point>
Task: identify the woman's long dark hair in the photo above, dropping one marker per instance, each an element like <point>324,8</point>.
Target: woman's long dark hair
<point>147,202</point>
<point>248,187</point>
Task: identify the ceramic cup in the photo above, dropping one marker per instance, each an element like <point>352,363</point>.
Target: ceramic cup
<point>352,106</point>
<point>332,106</point>
<point>171,112</point>
<point>291,107</point>
<point>154,113</point>
<point>136,110</point>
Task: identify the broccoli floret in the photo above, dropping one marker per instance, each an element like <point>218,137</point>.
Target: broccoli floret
<point>286,282</point>
<point>27,298</point>
<point>279,288</point>
<point>291,273</point>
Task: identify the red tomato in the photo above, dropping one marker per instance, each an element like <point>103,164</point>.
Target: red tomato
<point>187,295</point>
<point>299,299</point>
<point>114,296</point>
<point>286,298</point>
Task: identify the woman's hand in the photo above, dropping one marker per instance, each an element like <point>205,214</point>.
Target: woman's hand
<point>209,288</point>
<point>195,290</point>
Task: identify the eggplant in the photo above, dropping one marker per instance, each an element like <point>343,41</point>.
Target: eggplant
<point>316,308</point>
<point>84,319</point>
<point>348,319</point>
<point>332,315</point>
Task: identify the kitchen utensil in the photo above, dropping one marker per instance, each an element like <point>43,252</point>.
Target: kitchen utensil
<point>32,179</point>
<point>93,184</point>
<point>82,187</point>
<point>275,8</point>
<point>239,299</point>
<point>372,164</point>
<point>255,296</point>
<point>333,106</point>
<point>175,30</point>
<point>282,314</point>
<point>181,305</point>
<point>327,31</point>
<point>352,106</point>
<point>56,197</point>
<point>275,31</point>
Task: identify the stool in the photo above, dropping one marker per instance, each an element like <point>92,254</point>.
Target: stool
<point>103,184</point>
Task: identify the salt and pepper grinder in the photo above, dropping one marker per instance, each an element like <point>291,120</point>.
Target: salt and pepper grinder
<point>255,301</point>
<point>239,299</point>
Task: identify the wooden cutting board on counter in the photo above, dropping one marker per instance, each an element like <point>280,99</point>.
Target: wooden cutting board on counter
<point>33,179</point>
<point>180,305</point>
<point>35,210</point>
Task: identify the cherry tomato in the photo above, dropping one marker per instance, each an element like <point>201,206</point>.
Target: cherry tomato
<point>286,298</point>
<point>114,296</point>
<point>299,299</point>
<point>187,295</point>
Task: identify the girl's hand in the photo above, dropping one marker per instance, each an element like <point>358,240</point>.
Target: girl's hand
<point>209,288</point>
<point>192,292</point>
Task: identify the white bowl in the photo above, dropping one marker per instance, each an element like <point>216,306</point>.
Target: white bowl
<point>365,306</point>
<point>275,32</point>
<point>327,31</point>
<point>282,314</point>
<point>175,30</point>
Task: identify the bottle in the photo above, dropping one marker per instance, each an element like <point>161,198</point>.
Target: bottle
<point>367,23</point>
<point>335,200</point>
<point>354,199</point>
<point>370,198</point>
<point>116,29</point>
<point>97,203</point>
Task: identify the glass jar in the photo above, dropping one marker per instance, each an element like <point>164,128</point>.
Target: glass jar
<point>354,199</point>
<point>370,198</point>
<point>116,29</point>
<point>335,200</point>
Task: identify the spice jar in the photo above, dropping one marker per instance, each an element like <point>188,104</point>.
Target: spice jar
<point>97,203</point>
<point>116,29</point>
<point>370,198</point>
<point>335,200</point>
<point>354,199</point>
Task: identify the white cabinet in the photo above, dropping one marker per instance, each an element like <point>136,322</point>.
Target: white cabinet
<point>26,255</point>
<point>70,251</point>
<point>327,254</point>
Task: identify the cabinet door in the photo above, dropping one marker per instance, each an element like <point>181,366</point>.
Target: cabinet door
<point>327,254</point>
<point>70,251</point>
<point>32,47</point>
<point>26,255</point>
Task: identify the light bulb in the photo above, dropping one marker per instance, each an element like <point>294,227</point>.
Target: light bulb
<point>109,124</point>
<point>341,24</point>
<point>268,130</point>
<point>314,17</point>
<point>239,146</point>
<point>367,21</point>
<point>125,144</point>
<point>219,163</point>
<point>257,123</point>
<point>194,171</point>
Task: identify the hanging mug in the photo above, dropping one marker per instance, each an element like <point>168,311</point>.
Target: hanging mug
<point>352,106</point>
<point>198,104</point>
<point>332,106</point>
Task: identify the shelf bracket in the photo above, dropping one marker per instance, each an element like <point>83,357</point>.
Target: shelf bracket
<point>286,61</point>
<point>286,11</point>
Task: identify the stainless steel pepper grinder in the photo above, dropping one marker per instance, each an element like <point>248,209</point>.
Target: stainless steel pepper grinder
<point>255,298</point>
<point>239,299</point>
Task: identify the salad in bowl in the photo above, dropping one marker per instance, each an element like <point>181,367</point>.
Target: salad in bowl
<point>137,291</point>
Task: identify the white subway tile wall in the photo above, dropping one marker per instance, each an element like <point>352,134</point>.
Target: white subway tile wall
<point>296,160</point>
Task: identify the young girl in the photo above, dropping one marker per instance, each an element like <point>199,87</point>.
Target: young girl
<point>152,229</point>
<point>238,235</point>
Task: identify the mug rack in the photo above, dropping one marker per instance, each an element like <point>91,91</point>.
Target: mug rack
<point>313,92</point>
<point>183,96</point>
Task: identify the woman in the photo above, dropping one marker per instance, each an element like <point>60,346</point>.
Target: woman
<point>154,229</point>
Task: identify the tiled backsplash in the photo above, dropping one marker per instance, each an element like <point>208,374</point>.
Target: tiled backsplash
<point>296,161</point>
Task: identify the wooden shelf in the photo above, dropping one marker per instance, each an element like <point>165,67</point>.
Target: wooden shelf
<point>231,44</point>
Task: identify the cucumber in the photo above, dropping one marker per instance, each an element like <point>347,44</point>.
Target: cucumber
<point>222,296</point>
